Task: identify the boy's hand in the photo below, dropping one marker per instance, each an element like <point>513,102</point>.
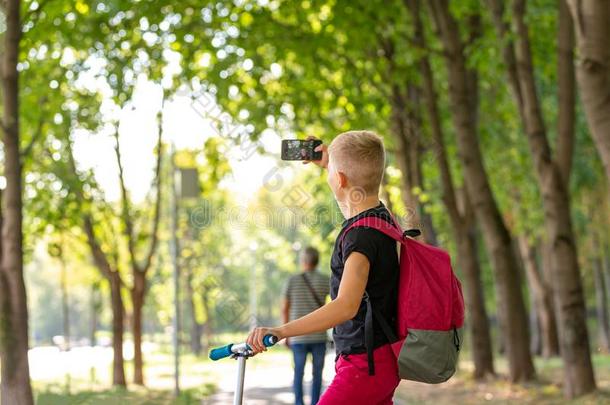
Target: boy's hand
<point>255,339</point>
<point>323,163</point>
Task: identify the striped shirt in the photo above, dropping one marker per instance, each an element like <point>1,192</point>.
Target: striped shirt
<point>302,301</point>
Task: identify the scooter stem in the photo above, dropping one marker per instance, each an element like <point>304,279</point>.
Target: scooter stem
<point>239,389</point>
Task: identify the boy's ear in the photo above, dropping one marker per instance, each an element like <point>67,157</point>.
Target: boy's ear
<point>342,179</point>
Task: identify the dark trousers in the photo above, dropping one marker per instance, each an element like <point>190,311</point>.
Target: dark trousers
<point>299,351</point>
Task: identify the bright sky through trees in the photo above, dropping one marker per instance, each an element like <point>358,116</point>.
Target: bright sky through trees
<point>182,123</point>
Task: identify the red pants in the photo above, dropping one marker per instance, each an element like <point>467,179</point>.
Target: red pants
<point>352,384</point>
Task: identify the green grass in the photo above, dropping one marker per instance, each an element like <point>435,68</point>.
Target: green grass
<point>197,382</point>
<point>139,396</point>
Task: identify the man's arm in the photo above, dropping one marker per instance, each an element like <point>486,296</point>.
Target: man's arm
<point>341,309</point>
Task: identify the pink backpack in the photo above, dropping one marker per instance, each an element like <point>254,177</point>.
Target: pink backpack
<point>430,313</point>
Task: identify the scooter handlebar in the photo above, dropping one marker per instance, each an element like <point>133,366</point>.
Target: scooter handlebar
<point>226,351</point>
<point>221,352</point>
<point>270,340</point>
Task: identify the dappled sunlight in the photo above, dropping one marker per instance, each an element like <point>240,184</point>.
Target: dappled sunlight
<point>149,213</point>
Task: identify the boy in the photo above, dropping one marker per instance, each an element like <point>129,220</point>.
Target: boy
<point>364,267</point>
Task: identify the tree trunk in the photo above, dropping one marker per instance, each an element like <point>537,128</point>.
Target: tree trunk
<point>511,307</point>
<point>116,300</point>
<point>569,297</point>
<point>118,314</point>
<point>404,130</point>
<point>601,297</point>
<point>463,224</point>
<point>139,270</point>
<point>566,93</point>
<point>405,120</point>
<point>409,200</point>
<point>547,278</point>
<point>542,303</point>
<point>535,330</point>
<point>468,262</point>
<point>138,293</point>
<point>106,270</point>
<point>592,26</point>
<point>601,301</point>
<point>606,255</point>
<point>15,374</point>
<point>415,153</point>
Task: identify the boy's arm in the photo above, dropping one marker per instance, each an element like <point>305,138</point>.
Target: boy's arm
<point>341,309</point>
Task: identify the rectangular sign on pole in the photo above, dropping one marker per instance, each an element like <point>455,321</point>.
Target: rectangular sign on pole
<point>189,183</point>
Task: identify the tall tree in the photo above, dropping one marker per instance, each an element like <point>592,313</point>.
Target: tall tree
<point>406,128</point>
<point>592,26</point>
<point>601,292</point>
<point>107,264</point>
<point>567,285</point>
<point>459,210</point>
<point>139,268</point>
<point>601,305</point>
<point>15,374</point>
<point>542,299</point>
<point>462,81</point>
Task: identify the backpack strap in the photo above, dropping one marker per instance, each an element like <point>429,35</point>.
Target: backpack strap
<point>368,333</point>
<point>312,291</point>
<point>390,229</point>
<point>371,313</point>
<point>387,330</point>
<point>393,231</point>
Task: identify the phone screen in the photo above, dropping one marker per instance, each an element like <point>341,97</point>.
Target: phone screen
<point>298,149</point>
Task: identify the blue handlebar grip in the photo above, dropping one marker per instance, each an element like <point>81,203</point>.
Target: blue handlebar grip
<point>220,352</point>
<point>269,340</point>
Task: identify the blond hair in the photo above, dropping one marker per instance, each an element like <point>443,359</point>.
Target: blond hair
<point>360,155</point>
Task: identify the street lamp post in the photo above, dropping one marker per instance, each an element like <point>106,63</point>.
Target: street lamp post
<point>186,187</point>
<point>174,249</point>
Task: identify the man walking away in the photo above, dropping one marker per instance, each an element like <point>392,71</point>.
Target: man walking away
<point>304,293</point>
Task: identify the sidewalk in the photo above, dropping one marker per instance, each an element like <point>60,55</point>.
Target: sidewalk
<point>268,381</point>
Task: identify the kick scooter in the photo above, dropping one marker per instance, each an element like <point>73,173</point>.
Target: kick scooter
<point>241,352</point>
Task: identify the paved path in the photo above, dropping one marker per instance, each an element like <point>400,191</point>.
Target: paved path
<point>268,383</point>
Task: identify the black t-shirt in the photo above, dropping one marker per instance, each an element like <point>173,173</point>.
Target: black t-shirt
<point>382,284</point>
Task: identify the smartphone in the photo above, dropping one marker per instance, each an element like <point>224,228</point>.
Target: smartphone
<point>300,149</point>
